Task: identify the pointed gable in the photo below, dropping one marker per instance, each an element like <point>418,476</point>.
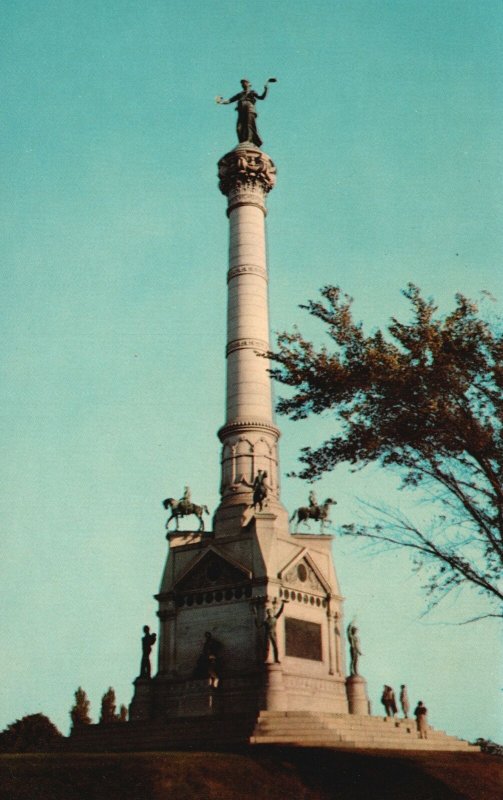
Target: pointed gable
<point>303,574</point>
<point>211,570</point>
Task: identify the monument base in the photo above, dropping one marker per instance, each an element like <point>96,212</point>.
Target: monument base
<point>220,731</point>
<point>356,689</point>
<point>229,604</point>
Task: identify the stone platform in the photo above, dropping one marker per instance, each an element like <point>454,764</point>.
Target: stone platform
<point>304,729</point>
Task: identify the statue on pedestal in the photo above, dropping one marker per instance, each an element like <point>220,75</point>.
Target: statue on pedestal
<point>354,648</point>
<point>260,494</point>
<point>247,115</point>
<point>313,511</point>
<point>208,663</point>
<point>183,508</point>
<point>147,642</point>
<point>269,624</point>
<point>260,489</point>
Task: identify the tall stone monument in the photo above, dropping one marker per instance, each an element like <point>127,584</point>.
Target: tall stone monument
<point>250,614</point>
<point>250,644</point>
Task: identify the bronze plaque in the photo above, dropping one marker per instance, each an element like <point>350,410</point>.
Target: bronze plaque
<point>302,639</point>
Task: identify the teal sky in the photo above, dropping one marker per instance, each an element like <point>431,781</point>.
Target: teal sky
<point>386,127</point>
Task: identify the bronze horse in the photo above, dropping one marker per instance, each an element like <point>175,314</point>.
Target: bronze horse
<point>181,509</point>
<point>318,513</point>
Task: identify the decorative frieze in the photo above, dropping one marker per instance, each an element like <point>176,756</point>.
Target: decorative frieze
<point>247,269</point>
<point>247,344</point>
<point>233,428</point>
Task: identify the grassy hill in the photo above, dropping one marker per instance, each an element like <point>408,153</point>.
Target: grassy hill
<point>260,773</point>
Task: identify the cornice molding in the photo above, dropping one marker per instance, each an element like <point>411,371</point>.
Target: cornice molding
<point>233,428</point>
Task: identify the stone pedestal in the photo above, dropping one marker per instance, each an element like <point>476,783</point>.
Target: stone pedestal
<point>358,701</point>
<point>141,704</point>
<point>275,698</point>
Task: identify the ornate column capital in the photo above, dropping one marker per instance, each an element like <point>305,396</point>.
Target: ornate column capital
<point>246,169</point>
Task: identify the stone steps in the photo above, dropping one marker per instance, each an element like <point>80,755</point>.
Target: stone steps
<point>365,744</point>
<point>345,730</point>
<point>288,728</point>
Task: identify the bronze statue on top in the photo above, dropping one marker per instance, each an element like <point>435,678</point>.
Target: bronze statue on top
<point>247,114</point>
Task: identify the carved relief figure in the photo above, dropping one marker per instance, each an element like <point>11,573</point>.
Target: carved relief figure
<point>247,114</point>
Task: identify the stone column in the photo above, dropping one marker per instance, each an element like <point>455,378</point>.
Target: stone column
<point>249,436</point>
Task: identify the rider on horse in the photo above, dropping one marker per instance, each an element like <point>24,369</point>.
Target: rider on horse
<point>314,511</point>
<point>185,502</point>
<point>260,489</point>
<point>183,508</point>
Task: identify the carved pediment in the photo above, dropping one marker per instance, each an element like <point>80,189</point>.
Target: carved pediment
<point>303,574</point>
<point>212,571</point>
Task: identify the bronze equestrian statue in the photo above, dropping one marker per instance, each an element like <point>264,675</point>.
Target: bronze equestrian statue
<point>183,508</point>
<point>313,511</point>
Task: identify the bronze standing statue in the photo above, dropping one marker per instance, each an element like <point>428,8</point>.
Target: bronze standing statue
<point>354,648</point>
<point>209,662</point>
<point>260,495</point>
<point>269,624</point>
<point>148,640</point>
<point>247,114</point>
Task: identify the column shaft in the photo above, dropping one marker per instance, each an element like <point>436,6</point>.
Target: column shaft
<point>249,436</point>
